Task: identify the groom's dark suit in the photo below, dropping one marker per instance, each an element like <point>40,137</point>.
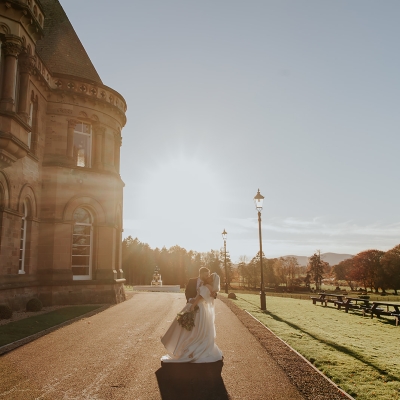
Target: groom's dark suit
<point>191,289</point>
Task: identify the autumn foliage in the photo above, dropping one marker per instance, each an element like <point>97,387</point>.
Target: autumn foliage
<point>372,269</point>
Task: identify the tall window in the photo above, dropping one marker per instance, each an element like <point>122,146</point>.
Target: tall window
<point>22,242</point>
<point>82,245</point>
<point>30,122</point>
<point>30,113</point>
<point>82,145</point>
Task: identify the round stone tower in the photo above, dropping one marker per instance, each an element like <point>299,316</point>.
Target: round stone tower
<point>60,189</point>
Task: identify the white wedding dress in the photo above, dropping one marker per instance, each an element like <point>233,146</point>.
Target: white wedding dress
<point>197,345</point>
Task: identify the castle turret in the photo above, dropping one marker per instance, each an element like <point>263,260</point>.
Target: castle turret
<point>60,187</point>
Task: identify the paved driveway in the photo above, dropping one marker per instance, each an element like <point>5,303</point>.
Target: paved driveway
<point>116,355</point>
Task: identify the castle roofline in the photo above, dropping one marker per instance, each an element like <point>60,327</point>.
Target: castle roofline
<point>90,82</point>
<point>60,49</point>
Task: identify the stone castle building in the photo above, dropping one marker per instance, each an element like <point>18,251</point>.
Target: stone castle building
<point>60,187</point>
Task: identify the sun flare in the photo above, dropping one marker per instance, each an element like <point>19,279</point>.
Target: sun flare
<point>182,186</point>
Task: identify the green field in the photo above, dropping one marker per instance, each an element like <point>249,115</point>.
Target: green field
<point>29,326</point>
<point>360,354</point>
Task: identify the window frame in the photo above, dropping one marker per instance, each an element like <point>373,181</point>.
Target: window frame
<point>88,135</point>
<point>88,276</point>
<point>22,241</point>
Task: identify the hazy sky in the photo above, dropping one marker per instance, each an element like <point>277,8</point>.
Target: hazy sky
<point>297,98</point>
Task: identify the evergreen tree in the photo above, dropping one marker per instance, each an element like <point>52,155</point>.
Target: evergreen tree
<point>227,278</point>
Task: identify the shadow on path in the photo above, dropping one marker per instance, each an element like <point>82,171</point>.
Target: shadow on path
<point>191,381</point>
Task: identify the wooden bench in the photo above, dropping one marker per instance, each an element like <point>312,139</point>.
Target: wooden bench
<point>378,311</point>
<point>352,303</point>
<point>397,317</point>
<point>327,298</point>
<point>347,305</point>
<point>319,299</point>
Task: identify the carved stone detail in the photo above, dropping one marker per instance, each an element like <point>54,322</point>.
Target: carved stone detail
<point>27,64</point>
<point>72,123</point>
<point>11,149</point>
<point>99,129</point>
<point>12,46</point>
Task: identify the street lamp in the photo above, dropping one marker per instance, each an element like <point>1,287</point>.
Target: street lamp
<point>258,200</point>
<point>224,235</point>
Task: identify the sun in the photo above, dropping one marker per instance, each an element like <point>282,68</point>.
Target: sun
<point>183,186</point>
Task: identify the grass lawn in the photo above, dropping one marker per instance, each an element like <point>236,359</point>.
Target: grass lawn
<point>29,326</point>
<point>306,295</point>
<point>359,354</point>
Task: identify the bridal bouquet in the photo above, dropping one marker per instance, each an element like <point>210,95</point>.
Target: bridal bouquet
<point>186,319</point>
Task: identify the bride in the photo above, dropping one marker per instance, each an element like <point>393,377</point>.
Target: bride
<point>197,345</point>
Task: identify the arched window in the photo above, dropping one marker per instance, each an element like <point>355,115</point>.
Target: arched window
<point>82,245</point>
<point>22,243</point>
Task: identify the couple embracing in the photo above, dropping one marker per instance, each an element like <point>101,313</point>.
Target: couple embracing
<point>196,345</point>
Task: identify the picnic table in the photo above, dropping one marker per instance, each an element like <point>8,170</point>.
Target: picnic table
<point>378,310</point>
<point>327,298</point>
<point>352,302</point>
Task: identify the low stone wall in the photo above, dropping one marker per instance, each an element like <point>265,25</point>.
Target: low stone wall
<point>164,288</point>
<point>17,298</point>
<point>65,293</point>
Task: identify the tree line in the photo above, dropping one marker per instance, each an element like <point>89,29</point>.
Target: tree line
<point>177,264</point>
<point>370,269</point>
<point>373,269</point>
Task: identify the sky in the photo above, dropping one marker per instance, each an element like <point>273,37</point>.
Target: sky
<point>299,99</point>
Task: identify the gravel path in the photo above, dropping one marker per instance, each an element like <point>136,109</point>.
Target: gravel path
<point>116,355</point>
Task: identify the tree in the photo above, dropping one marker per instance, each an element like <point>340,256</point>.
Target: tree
<point>243,271</point>
<point>138,261</point>
<point>343,272</point>
<point>269,272</point>
<point>292,266</point>
<point>180,260</point>
<point>286,269</point>
<point>251,273</point>
<point>279,271</point>
<point>211,260</point>
<point>255,270</point>
<point>391,266</point>
<point>316,269</point>
<point>367,268</point>
<point>228,265</point>
<point>196,264</point>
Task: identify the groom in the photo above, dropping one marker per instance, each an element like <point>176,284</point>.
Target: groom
<point>194,283</point>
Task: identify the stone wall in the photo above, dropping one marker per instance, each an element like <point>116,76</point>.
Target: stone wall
<point>64,294</point>
<point>40,106</point>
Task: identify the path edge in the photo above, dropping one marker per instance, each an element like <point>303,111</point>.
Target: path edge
<point>238,311</point>
<point>18,343</point>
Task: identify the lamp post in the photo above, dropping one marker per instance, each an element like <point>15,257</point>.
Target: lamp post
<point>224,235</point>
<point>258,200</point>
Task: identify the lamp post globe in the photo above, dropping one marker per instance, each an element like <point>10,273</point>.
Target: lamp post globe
<point>224,235</point>
<point>258,201</point>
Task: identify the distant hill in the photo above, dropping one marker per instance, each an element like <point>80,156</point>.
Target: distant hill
<point>331,258</point>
